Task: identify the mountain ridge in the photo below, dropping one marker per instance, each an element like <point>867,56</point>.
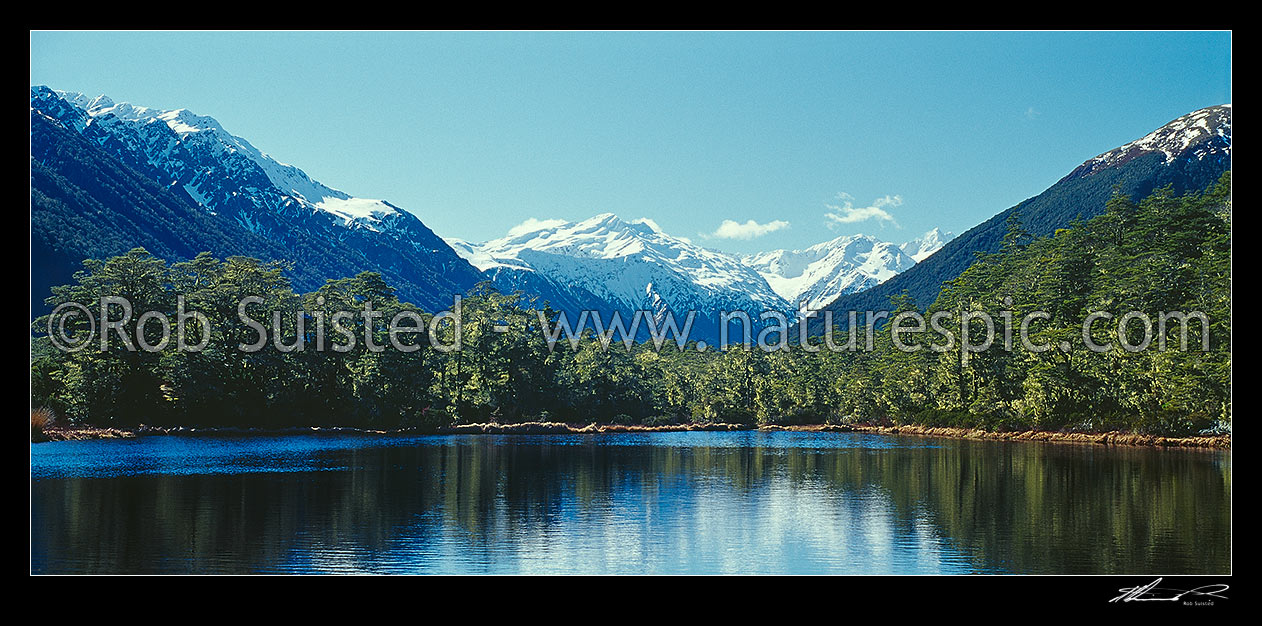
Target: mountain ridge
<point>1134,169</point>
<point>602,263</point>
<point>812,277</point>
<point>194,158</point>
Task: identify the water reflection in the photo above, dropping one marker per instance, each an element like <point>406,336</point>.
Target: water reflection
<point>663,503</point>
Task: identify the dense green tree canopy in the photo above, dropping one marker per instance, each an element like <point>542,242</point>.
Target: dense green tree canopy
<point>1166,253</point>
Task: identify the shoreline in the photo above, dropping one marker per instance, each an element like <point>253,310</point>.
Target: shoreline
<point>1113,438</point>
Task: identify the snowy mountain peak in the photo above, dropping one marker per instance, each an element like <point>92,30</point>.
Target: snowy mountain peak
<point>215,191</point>
<point>813,277</point>
<point>924,246</point>
<point>100,101</point>
<point>1201,134</point>
<point>603,218</point>
<point>635,264</point>
<point>183,121</point>
<point>621,265</point>
<point>77,99</point>
<point>648,223</point>
<point>216,168</point>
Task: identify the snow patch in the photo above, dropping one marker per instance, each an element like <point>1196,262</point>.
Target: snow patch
<point>355,208</point>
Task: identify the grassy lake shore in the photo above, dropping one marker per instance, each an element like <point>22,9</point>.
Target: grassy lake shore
<point>1223,442</point>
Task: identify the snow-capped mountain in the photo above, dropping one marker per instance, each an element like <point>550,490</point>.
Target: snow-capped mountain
<point>606,263</point>
<point>1189,154</point>
<point>195,152</point>
<point>921,247</point>
<point>1201,134</point>
<point>603,263</point>
<point>196,158</point>
<point>623,266</point>
<point>813,277</point>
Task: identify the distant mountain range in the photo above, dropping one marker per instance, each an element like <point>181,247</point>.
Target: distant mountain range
<point>106,177</point>
<point>925,245</point>
<point>178,183</point>
<point>811,278</point>
<point>623,266</point>
<point>608,264</point>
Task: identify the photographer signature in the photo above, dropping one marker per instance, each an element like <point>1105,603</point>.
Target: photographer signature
<point>1151,592</point>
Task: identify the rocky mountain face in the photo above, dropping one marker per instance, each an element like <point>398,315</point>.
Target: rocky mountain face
<point>193,158</point>
<point>178,183</point>
<point>1189,154</point>
<point>925,245</point>
<point>1196,137</point>
<point>607,264</point>
<point>811,278</point>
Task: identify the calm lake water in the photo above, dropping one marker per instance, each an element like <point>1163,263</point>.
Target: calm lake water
<point>697,502</point>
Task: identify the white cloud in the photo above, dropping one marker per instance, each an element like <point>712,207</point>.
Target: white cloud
<point>531,225</point>
<point>731,229</point>
<point>848,213</point>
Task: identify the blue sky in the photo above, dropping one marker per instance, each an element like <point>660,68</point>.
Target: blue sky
<point>890,133</point>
